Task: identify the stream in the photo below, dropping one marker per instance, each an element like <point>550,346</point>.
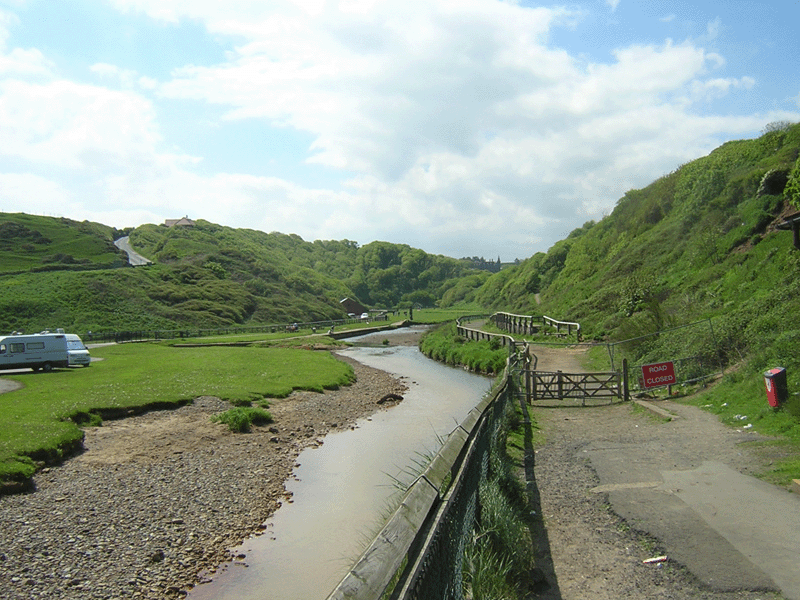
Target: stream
<point>344,490</point>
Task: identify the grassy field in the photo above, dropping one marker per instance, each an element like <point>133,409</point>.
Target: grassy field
<point>432,316</point>
<point>39,422</point>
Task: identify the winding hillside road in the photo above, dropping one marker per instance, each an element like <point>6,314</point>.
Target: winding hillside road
<point>135,259</point>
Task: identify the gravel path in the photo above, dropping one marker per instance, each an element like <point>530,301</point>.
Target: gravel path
<point>158,499</point>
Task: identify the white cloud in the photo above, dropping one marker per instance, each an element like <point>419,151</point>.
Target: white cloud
<point>76,126</point>
<point>713,30</point>
<point>441,116</point>
<point>39,195</point>
<point>18,62</point>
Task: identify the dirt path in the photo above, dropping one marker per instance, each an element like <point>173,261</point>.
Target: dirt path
<point>584,549</point>
<point>559,358</point>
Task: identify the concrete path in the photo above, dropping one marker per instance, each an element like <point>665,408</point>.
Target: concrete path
<point>731,530</point>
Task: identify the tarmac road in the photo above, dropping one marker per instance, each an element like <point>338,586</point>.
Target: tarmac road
<point>134,258</point>
<point>731,530</point>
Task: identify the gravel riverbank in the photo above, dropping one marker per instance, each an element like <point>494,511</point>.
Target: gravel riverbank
<point>155,501</point>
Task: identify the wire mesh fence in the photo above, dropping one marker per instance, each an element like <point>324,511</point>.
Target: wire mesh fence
<point>691,351</point>
<point>419,553</point>
<point>436,574</point>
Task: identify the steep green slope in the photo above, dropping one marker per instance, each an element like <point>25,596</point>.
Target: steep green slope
<point>692,269</point>
<point>698,243</point>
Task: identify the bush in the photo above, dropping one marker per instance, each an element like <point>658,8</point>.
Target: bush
<point>485,571</point>
<point>497,564</point>
<point>240,419</point>
<point>445,345</point>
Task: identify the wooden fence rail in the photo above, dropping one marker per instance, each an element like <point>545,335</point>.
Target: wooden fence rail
<point>530,324</point>
<point>418,532</point>
<point>546,385</point>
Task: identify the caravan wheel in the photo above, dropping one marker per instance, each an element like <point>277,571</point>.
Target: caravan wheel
<point>47,367</point>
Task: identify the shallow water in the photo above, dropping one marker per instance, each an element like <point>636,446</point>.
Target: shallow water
<point>342,490</point>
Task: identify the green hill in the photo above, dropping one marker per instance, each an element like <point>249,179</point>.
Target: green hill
<point>700,242</point>
<point>700,246</point>
<point>30,243</point>
<point>61,273</point>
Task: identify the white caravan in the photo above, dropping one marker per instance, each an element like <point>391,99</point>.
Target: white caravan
<point>44,350</point>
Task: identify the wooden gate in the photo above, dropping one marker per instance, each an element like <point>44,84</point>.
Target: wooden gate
<point>547,385</point>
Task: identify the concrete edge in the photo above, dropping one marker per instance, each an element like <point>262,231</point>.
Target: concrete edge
<point>656,410</point>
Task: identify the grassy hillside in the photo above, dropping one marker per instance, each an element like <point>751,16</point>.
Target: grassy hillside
<point>30,243</point>
<point>61,273</point>
<point>699,243</point>
<point>379,273</point>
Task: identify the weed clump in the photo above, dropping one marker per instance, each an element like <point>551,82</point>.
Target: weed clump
<point>498,562</point>
<point>241,418</point>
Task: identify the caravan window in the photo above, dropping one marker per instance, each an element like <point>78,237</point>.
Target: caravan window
<point>2,348</point>
<point>36,346</point>
<point>18,347</point>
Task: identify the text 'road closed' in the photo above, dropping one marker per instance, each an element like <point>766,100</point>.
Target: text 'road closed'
<point>658,374</point>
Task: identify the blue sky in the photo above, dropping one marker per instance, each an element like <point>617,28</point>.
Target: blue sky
<point>462,127</point>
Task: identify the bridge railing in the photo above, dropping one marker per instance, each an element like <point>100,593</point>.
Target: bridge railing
<point>531,324</point>
<point>418,554</point>
<point>476,334</point>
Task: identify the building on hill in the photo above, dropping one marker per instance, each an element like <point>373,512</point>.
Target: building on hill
<point>352,307</point>
<point>183,222</point>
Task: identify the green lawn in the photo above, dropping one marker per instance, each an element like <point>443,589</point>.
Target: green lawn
<point>39,421</point>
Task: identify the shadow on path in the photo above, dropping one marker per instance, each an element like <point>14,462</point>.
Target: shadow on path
<point>546,581</point>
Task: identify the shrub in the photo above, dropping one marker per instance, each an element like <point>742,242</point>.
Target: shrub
<point>240,419</point>
<point>485,571</point>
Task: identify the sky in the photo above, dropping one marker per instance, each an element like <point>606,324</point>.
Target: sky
<point>487,128</point>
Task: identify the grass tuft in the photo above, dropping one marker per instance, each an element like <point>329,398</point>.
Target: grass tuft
<point>241,418</point>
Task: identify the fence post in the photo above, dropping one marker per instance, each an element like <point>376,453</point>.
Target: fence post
<point>528,378</point>
<point>626,395</point>
<point>560,387</point>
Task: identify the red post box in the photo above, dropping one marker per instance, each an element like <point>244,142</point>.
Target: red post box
<point>777,388</point>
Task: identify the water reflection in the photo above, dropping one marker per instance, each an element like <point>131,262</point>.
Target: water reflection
<point>342,489</point>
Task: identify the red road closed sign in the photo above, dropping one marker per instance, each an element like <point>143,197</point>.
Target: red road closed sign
<point>658,374</point>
